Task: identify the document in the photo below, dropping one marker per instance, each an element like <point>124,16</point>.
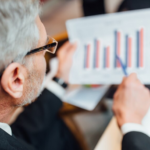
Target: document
<point>103,37</point>
<point>86,98</point>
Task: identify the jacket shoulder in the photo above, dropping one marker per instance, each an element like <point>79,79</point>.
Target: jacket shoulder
<point>8,142</point>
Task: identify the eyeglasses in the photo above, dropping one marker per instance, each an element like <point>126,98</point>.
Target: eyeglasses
<point>50,47</point>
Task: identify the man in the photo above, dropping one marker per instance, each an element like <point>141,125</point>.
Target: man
<point>22,71</point>
<point>131,104</point>
<point>22,65</point>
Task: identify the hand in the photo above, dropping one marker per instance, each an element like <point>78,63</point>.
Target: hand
<point>65,55</point>
<point>131,101</point>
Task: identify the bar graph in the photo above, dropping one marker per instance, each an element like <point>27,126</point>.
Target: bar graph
<point>125,45</point>
<point>103,37</point>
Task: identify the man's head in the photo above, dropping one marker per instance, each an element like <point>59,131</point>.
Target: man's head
<point>21,31</point>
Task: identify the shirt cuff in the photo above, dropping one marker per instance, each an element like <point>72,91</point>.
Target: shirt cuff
<point>133,127</point>
<point>55,88</point>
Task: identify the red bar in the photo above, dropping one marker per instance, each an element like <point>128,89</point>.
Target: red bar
<point>130,52</point>
<point>141,47</point>
<point>108,57</point>
<point>88,56</point>
<point>97,54</point>
<point>118,47</point>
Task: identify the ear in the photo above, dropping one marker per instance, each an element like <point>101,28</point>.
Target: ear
<point>12,80</point>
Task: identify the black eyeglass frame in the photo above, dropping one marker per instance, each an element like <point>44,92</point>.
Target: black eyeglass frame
<point>54,45</point>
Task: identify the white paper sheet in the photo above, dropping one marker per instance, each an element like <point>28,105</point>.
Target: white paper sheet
<point>101,37</point>
<point>86,98</point>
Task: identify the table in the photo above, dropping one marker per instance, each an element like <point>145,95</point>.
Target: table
<point>111,138</point>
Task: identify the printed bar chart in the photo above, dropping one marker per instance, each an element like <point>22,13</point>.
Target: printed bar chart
<point>128,51</point>
<point>140,48</point>
<point>107,57</point>
<point>98,48</point>
<point>125,34</point>
<point>87,56</point>
<point>96,53</point>
<point>117,48</point>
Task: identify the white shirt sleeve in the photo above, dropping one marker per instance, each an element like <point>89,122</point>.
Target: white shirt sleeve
<point>130,127</point>
<point>55,88</point>
<point>49,83</point>
<point>144,127</point>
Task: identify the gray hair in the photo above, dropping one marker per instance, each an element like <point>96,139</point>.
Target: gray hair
<point>18,30</point>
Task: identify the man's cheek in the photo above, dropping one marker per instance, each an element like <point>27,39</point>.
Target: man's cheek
<point>44,65</point>
<point>41,64</point>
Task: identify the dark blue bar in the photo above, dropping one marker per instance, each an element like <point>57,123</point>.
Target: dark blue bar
<point>105,56</point>
<point>127,44</point>
<point>115,60</point>
<point>95,53</point>
<point>138,49</point>
<point>85,56</point>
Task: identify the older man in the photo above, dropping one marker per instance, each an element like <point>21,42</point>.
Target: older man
<point>23,43</point>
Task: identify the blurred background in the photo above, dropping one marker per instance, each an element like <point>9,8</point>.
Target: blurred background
<point>56,12</point>
<point>54,15</point>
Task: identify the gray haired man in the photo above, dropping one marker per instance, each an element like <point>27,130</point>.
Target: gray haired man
<point>23,44</point>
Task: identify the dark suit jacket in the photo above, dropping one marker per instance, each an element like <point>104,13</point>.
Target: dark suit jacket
<point>136,141</point>
<point>40,128</point>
